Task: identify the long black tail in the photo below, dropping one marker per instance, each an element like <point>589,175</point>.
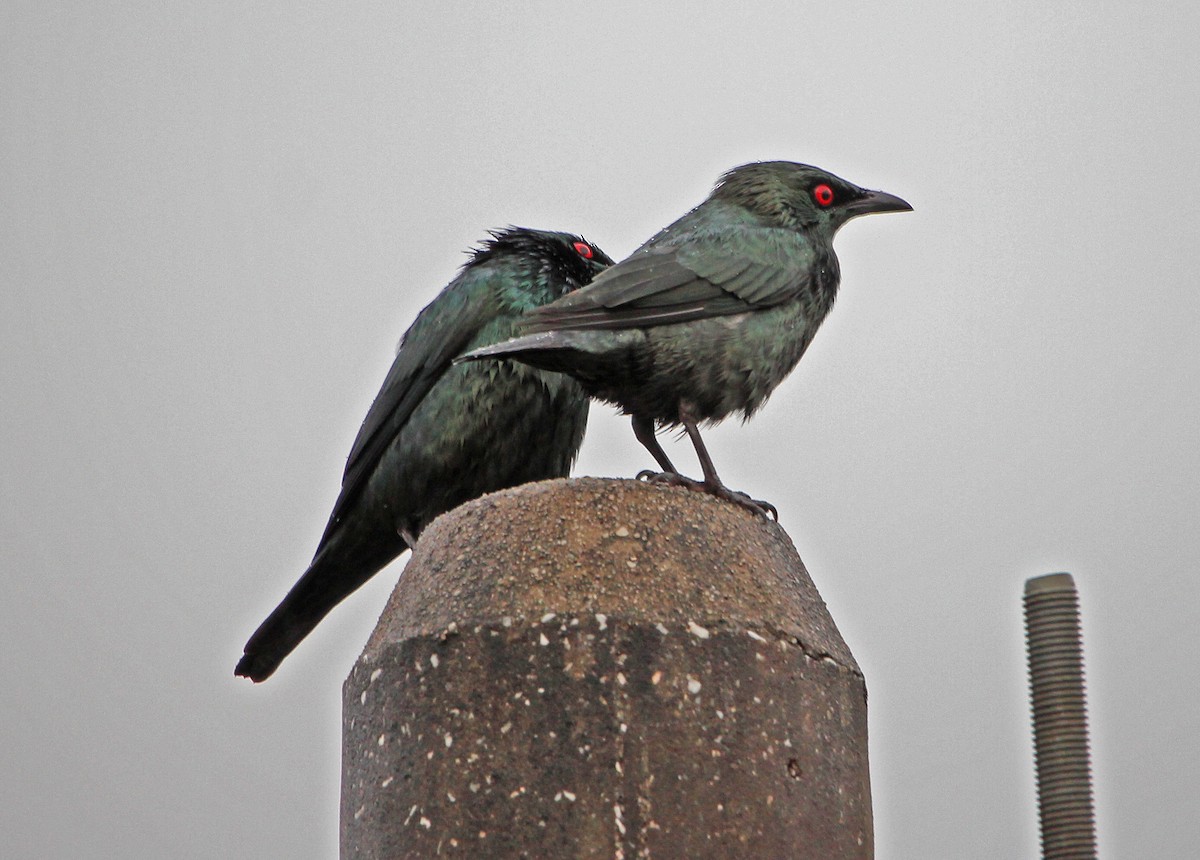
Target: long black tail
<point>327,582</point>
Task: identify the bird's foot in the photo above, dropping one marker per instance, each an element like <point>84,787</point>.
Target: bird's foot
<point>766,510</point>
<point>652,477</point>
<point>673,479</point>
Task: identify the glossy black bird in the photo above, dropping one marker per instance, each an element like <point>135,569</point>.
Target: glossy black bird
<point>709,315</point>
<point>440,434</point>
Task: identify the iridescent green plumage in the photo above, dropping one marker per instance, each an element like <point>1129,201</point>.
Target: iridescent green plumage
<point>440,434</point>
<point>709,315</point>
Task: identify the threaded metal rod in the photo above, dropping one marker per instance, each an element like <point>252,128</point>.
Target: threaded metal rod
<point>1060,733</point>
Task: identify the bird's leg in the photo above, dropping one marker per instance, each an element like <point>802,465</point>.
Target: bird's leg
<point>712,483</point>
<point>643,429</point>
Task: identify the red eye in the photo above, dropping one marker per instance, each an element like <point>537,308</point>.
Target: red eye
<point>584,249</point>
<point>823,194</point>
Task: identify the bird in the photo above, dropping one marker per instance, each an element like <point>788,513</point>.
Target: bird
<point>440,434</point>
<point>710,314</point>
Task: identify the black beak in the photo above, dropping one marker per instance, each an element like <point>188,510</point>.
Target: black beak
<point>876,201</point>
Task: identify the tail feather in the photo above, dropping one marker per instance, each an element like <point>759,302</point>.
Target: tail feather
<point>519,347</point>
<point>571,352</point>
<point>323,586</point>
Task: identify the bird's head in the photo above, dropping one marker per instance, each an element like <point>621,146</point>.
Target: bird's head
<point>799,196</point>
<point>571,260</point>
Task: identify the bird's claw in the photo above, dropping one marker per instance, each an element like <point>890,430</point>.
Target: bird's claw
<point>670,479</point>
<point>758,506</point>
<point>673,479</point>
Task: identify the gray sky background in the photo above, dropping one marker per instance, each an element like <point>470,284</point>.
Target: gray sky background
<point>216,221</point>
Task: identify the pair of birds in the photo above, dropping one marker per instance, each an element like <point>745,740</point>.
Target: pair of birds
<point>490,386</point>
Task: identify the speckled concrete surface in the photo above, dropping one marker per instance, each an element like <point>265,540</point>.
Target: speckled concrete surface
<point>597,668</point>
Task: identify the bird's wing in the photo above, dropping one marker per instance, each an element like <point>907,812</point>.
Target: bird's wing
<point>704,276</point>
<point>441,331</point>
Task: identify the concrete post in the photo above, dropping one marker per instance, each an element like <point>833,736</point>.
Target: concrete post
<point>600,668</point>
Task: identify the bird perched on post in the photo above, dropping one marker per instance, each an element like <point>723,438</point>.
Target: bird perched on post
<point>710,314</point>
<point>440,434</point>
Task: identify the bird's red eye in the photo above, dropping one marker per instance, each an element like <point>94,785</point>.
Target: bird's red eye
<point>823,194</point>
<point>584,250</point>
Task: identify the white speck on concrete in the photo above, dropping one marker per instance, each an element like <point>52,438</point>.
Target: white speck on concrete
<point>450,797</point>
<point>382,740</point>
<point>661,629</point>
<point>602,620</point>
<point>363,697</point>
<point>617,818</point>
<point>410,814</point>
<point>621,531</point>
<point>426,823</point>
<point>433,660</point>
<point>569,795</point>
<point>375,675</point>
<point>506,728</point>
<point>755,636</point>
<point>449,740</point>
<point>358,813</point>
<point>542,640</point>
<point>621,678</point>
<point>698,631</point>
<point>506,621</point>
<point>656,677</point>
<point>548,617</point>
<point>693,686</point>
<point>386,782</point>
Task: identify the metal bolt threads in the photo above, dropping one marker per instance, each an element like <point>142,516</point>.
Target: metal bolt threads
<point>1060,733</point>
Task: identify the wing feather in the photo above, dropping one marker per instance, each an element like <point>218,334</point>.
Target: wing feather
<point>687,278</point>
<point>439,334</point>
